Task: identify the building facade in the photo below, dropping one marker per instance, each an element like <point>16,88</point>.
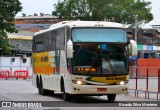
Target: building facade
<point>148,41</point>
<point>27,26</point>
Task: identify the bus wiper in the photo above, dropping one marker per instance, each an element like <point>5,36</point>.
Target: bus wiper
<point>111,66</point>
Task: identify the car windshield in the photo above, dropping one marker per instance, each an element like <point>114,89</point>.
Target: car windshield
<point>100,58</point>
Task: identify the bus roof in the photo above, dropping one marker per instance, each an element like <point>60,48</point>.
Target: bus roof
<point>82,24</point>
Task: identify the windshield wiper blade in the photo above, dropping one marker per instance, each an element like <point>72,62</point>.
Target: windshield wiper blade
<point>111,66</point>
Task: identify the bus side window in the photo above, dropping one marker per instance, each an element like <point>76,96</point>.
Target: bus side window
<point>34,46</point>
<point>47,41</point>
<point>53,41</point>
<point>39,46</point>
<point>62,38</point>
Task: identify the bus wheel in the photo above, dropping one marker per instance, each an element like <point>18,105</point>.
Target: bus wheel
<point>39,87</point>
<point>66,96</point>
<point>50,93</point>
<point>111,97</point>
<point>41,90</point>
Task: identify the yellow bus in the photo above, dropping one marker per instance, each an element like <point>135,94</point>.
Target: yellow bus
<point>82,58</point>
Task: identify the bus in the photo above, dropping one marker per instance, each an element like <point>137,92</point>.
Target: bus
<point>82,58</point>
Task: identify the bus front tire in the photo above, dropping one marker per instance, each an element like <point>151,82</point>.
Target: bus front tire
<point>111,97</point>
<point>66,96</point>
<point>39,91</point>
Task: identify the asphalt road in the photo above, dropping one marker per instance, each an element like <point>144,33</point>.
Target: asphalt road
<point>23,93</point>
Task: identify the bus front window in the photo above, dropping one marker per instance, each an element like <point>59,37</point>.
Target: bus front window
<point>98,58</point>
<point>99,35</point>
<point>99,51</point>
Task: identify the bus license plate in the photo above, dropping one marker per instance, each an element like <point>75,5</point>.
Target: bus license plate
<point>101,89</point>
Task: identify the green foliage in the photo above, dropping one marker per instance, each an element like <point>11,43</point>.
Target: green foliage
<point>122,11</point>
<point>8,10</point>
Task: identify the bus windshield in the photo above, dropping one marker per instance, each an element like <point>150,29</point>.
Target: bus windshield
<point>100,58</point>
<point>99,51</point>
<point>98,35</point>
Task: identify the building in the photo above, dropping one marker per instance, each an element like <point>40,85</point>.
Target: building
<point>156,27</point>
<point>34,23</point>
<point>20,56</point>
<point>148,41</point>
<point>27,26</point>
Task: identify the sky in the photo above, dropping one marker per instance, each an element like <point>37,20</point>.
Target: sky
<point>36,6</point>
<point>155,11</point>
<point>46,6</point>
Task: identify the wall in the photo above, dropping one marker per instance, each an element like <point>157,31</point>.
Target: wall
<point>153,64</point>
<point>148,62</point>
<point>6,63</point>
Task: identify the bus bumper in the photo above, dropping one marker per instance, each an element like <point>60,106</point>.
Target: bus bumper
<point>99,90</point>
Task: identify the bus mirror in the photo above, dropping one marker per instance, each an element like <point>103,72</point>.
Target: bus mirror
<point>133,48</point>
<point>69,49</point>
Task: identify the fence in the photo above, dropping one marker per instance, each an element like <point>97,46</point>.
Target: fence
<point>21,74</point>
<point>146,80</point>
<point>15,72</point>
<point>4,74</point>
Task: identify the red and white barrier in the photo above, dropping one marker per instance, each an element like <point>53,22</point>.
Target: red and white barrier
<point>21,74</point>
<point>4,74</point>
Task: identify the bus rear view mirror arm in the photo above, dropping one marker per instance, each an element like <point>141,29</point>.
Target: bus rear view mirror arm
<point>69,49</point>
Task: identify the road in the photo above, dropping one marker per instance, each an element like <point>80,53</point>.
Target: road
<point>22,91</point>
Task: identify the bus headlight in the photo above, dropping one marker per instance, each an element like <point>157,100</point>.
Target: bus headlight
<point>79,82</point>
<point>122,82</point>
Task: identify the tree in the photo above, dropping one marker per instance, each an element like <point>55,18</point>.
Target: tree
<point>8,10</point>
<point>122,11</point>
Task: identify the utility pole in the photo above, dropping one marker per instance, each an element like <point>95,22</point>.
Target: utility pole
<point>135,32</point>
<point>135,18</point>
